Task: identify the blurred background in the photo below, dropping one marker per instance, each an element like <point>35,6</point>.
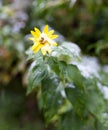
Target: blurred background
<point>84,22</point>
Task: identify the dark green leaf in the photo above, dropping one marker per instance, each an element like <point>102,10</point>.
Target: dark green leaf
<point>52,98</point>
<point>74,76</point>
<point>54,64</point>
<point>88,101</point>
<point>77,98</point>
<point>66,71</point>
<point>71,121</point>
<point>38,74</point>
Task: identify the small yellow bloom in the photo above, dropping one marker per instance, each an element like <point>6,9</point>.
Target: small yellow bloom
<point>43,41</point>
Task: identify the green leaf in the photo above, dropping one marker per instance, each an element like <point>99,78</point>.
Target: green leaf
<point>37,75</point>
<point>104,78</point>
<point>67,52</point>
<point>54,65</point>
<point>63,54</point>
<point>77,98</point>
<point>51,96</point>
<point>89,101</point>
<point>74,76</point>
<point>71,121</point>
<point>32,56</point>
<point>67,72</point>
<point>96,104</point>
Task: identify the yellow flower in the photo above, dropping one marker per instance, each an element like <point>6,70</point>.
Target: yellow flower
<point>43,41</point>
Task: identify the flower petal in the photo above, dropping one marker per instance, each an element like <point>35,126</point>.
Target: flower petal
<point>54,44</point>
<point>50,32</point>
<point>43,41</point>
<point>33,33</point>
<point>46,48</point>
<point>37,32</point>
<point>45,30</point>
<point>31,38</point>
<point>36,47</point>
<point>53,36</point>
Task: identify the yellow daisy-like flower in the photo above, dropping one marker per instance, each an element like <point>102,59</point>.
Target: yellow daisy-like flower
<point>43,41</point>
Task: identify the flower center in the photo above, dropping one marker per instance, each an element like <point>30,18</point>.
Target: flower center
<point>43,39</point>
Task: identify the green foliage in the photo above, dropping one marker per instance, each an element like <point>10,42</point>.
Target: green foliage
<point>58,81</point>
<point>71,90</point>
<point>38,74</point>
<point>51,97</point>
<point>71,120</point>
